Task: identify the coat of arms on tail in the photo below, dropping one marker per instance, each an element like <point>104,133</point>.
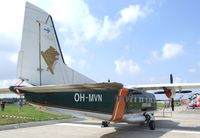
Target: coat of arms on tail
<point>50,56</point>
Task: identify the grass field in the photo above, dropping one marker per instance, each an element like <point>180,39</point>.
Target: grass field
<point>12,114</point>
<point>160,105</point>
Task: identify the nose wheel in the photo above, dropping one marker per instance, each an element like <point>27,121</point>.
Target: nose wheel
<point>152,125</point>
<point>150,120</point>
<point>105,123</point>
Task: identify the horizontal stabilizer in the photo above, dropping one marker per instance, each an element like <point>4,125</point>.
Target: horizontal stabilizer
<point>71,88</point>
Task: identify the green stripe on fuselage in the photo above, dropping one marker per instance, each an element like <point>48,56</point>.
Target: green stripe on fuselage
<point>100,101</point>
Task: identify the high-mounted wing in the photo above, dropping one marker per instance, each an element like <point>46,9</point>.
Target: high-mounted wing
<point>177,86</point>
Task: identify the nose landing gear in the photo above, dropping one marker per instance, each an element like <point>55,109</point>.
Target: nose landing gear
<point>152,125</point>
<point>105,123</point>
<point>150,120</point>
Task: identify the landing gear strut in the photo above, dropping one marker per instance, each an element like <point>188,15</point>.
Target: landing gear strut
<point>105,123</point>
<point>150,120</point>
<point>152,125</point>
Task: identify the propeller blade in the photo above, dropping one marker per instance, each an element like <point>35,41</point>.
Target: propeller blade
<point>185,91</point>
<point>171,79</point>
<point>172,99</point>
<point>159,92</point>
<point>172,104</point>
<point>163,92</point>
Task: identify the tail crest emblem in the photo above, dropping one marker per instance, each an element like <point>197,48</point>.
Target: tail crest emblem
<point>50,56</point>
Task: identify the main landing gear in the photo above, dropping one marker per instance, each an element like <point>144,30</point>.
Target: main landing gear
<point>150,120</point>
<point>105,124</point>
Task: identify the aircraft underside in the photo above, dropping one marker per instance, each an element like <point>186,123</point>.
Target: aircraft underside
<point>129,118</point>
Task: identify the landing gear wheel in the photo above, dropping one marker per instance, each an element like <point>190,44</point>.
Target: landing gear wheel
<point>105,123</point>
<point>152,125</point>
<point>147,118</point>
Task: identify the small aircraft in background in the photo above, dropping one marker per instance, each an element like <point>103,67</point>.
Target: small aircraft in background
<point>194,101</point>
<point>60,88</point>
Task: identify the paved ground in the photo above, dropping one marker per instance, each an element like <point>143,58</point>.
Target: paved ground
<point>183,123</point>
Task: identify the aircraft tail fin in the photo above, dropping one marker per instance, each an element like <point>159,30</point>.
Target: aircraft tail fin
<point>40,60</point>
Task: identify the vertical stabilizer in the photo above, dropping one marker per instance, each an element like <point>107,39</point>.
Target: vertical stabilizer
<point>40,60</point>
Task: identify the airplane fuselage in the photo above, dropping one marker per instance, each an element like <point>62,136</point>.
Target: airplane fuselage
<point>107,101</point>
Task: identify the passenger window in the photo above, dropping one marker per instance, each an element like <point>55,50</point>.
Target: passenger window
<point>135,99</point>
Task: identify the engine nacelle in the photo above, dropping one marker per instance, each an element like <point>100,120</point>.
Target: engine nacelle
<point>170,93</point>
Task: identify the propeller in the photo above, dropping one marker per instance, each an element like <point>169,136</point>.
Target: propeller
<point>172,104</point>
<point>172,99</point>
<point>163,92</point>
<point>169,92</point>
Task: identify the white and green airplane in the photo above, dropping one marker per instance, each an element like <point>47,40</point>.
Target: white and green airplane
<point>62,89</point>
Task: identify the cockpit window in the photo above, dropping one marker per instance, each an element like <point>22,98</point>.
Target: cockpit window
<point>138,101</point>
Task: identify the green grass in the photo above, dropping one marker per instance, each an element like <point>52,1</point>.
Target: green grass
<point>160,105</point>
<point>12,114</point>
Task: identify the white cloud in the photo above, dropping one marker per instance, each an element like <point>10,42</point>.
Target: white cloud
<point>112,29</point>
<point>152,79</point>
<point>14,58</point>
<point>178,80</point>
<point>11,14</point>
<point>7,83</point>
<point>82,63</point>
<point>192,70</point>
<point>108,30</point>
<point>154,57</point>
<point>169,51</point>
<point>130,15</point>
<point>75,18</point>
<point>68,60</point>
<point>126,66</point>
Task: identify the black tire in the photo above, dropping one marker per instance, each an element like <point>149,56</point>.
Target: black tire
<point>152,125</point>
<point>105,124</point>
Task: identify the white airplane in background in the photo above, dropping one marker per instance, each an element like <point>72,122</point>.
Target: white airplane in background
<point>62,89</point>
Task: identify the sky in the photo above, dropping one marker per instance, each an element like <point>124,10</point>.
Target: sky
<point>126,41</point>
